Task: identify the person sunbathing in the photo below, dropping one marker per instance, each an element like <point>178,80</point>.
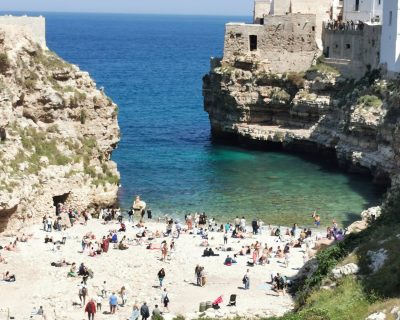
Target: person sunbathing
<point>11,247</point>
<point>122,245</point>
<point>2,260</point>
<point>8,277</point>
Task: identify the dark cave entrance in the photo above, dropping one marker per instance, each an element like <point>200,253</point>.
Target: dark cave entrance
<point>60,199</point>
<point>5,215</point>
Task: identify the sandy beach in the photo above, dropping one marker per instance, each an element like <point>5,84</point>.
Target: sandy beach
<point>40,284</point>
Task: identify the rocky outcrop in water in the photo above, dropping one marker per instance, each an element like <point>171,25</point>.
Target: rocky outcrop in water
<point>318,111</point>
<point>57,132</point>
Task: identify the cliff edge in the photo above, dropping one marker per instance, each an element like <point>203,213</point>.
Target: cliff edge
<point>57,130</point>
<point>317,111</point>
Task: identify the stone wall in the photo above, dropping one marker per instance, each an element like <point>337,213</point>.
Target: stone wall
<point>353,51</point>
<point>34,27</point>
<point>261,8</point>
<point>284,43</point>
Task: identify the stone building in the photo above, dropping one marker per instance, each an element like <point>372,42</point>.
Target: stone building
<point>353,51</point>
<point>390,44</point>
<point>283,43</point>
<point>261,9</point>
<point>363,10</point>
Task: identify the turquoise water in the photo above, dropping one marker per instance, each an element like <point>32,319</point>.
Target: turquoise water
<point>152,67</point>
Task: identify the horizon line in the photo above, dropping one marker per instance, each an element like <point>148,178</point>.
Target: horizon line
<point>5,12</point>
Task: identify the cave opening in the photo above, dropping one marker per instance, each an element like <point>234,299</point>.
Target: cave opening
<point>61,199</point>
<point>5,216</point>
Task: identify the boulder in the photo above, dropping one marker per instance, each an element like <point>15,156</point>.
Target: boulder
<point>345,270</point>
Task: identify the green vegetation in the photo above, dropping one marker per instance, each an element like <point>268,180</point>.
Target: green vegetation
<point>4,63</point>
<point>297,79</point>
<point>280,95</point>
<point>77,99</point>
<point>83,116</point>
<point>355,297</point>
<point>370,101</point>
<point>49,60</point>
<point>324,68</point>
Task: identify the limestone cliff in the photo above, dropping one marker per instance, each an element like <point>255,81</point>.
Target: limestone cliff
<point>57,132</point>
<point>317,111</point>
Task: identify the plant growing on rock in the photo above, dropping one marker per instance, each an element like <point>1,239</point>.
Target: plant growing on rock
<point>4,63</point>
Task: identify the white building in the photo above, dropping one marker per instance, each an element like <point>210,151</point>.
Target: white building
<point>363,10</point>
<point>390,42</point>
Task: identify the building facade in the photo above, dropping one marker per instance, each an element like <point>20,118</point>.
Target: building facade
<point>363,10</point>
<point>390,43</point>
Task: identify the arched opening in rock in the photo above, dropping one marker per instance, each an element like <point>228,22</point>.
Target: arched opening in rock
<point>60,199</point>
<point>5,216</point>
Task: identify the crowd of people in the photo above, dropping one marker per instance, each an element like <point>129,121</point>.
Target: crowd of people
<point>196,225</point>
<point>341,25</point>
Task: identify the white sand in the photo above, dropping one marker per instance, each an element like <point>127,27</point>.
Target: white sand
<point>38,283</point>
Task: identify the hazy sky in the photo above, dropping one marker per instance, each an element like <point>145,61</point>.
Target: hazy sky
<point>214,7</point>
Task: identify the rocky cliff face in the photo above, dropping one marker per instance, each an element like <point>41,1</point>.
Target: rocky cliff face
<point>318,111</point>
<point>57,132</point>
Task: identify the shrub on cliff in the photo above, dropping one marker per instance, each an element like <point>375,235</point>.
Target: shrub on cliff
<point>369,101</point>
<point>4,63</point>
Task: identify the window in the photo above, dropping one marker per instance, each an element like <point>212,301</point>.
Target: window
<point>357,6</point>
<point>262,21</point>
<point>390,17</point>
<point>253,42</point>
<point>348,46</point>
<point>313,28</point>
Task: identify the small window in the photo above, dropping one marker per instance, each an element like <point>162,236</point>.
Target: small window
<point>390,17</point>
<point>313,28</point>
<point>348,46</point>
<point>262,21</point>
<point>357,5</point>
<point>253,42</point>
<point>238,35</point>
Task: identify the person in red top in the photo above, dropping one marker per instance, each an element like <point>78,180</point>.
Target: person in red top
<point>91,309</point>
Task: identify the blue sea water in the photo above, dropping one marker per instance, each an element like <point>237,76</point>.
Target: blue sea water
<point>152,67</point>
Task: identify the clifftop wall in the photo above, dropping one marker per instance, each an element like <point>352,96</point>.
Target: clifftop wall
<point>32,27</point>
<point>57,131</point>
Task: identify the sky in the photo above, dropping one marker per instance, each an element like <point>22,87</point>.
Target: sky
<point>200,7</point>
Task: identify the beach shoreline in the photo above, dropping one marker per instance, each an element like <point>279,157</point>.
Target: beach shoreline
<point>40,284</point>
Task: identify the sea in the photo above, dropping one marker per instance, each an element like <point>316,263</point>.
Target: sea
<point>152,67</point>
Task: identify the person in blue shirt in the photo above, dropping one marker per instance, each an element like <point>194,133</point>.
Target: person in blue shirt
<point>113,303</point>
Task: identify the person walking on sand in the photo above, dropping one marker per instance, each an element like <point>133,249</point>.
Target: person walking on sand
<point>161,276</point>
<point>246,280</point>
<point>82,293</point>
<point>144,311</point>
<point>165,300</point>
<point>99,301</point>
<point>113,300</point>
<point>164,250</point>
<point>90,309</point>
<point>123,296</point>
<point>156,313</point>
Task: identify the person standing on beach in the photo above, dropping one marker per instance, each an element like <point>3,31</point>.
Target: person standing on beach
<point>165,300</point>
<point>164,250</point>
<point>161,276</point>
<point>197,274</point>
<point>90,309</point>
<point>237,222</point>
<point>144,311</point>
<point>113,303</point>
<point>246,280</point>
<point>82,293</point>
